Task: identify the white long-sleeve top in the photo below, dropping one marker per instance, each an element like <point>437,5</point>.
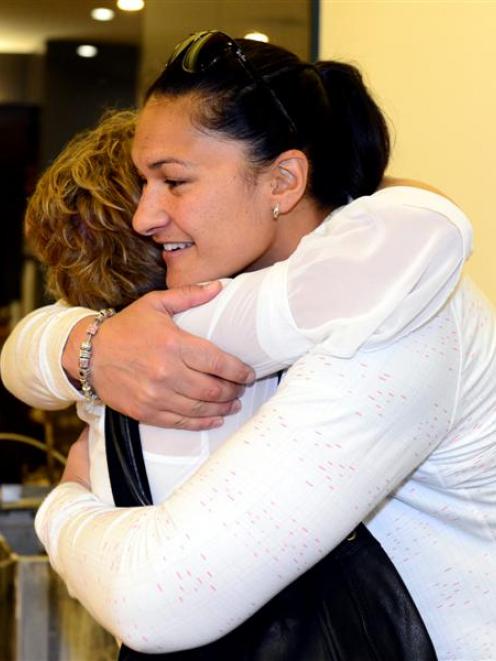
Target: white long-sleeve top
<point>344,430</point>
<point>404,436</point>
<point>372,272</point>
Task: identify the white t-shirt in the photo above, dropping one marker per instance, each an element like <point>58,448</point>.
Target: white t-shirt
<point>340,441</point>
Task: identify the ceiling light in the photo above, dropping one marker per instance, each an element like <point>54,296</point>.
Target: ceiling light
<point>102,14</point>
<point>257,36</point>
<point>130,5</point>
<point>86,50</point>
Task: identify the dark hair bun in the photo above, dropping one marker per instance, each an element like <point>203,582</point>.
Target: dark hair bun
<point>358,133</point>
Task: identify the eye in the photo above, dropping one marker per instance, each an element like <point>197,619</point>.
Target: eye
<point>174,183</point>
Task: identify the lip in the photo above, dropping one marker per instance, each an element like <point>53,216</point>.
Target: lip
<point>169,255</point>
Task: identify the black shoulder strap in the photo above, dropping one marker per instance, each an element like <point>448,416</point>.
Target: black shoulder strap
<point>125,461</point>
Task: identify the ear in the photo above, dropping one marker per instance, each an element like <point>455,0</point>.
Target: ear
<point>288,176</point>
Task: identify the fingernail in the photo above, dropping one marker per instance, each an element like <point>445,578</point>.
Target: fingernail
<point>250,377</point>
<point>210,285</point>
<point>217,422</point>
<point>236,406</point>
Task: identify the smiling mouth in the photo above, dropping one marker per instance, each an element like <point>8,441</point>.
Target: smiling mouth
<point>173,247</point>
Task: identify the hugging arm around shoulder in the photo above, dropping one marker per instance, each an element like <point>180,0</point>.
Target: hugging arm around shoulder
<point>271,502</point>
<point>373,271</point>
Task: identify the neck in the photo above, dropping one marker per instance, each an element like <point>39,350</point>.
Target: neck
<point>293,226</point>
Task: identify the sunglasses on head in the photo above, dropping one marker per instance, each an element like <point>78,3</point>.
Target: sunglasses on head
<point>204,50</point>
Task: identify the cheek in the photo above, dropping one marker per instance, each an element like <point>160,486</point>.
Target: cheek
<point>250,243</point>
<point>233,224</point>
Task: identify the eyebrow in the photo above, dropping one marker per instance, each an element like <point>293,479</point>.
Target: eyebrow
<point>166,161</point>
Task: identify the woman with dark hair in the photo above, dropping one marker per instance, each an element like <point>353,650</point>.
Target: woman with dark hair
<point>229,144</point>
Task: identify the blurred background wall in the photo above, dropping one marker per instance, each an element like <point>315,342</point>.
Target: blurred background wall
<point>431,66</point>
<point>286,22</point>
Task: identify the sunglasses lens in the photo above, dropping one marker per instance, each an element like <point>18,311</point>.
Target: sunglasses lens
<point>205,51</point>
<point>181,48</point>
<point>200,51</point>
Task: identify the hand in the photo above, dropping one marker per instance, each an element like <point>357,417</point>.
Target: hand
<point>146,367</point>
<point>77,468</point>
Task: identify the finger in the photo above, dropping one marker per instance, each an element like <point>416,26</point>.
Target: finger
<point>177,300</point>
<point>172,421</point>
<point>204,357</point>
<point>193,408</point>
<point>182,406</point>
<point>167,393</point>
<point>175,407</point>
<point>197,386</point>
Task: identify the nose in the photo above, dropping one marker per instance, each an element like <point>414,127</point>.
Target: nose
<point>150,215</point>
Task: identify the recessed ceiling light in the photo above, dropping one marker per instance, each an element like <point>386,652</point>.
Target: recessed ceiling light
<point>130,5</point>
<point>257,36</point>
<point>102,14</point>
<point>86,50</point>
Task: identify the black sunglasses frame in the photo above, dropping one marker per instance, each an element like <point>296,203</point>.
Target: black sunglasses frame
<point>190,52</point>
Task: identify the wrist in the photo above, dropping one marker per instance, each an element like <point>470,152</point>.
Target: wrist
<point>86,354</point>
<point>70,355</point>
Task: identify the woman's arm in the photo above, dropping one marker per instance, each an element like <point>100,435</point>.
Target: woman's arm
<point>196,375</point>
<point>277,497</point>
<point>31,360</point>
<point>374,271</point>
<point>378,268</point>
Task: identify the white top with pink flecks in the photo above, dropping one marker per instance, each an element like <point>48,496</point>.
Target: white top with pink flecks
<point>370,273</point>
<point>398,427</point>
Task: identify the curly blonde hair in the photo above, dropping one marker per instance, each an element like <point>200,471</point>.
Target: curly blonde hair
<point>78,221</point>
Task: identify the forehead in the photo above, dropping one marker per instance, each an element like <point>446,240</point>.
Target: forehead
<point>166,132</point>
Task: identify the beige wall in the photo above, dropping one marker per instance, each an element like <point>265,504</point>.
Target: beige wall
<point>432,66</point>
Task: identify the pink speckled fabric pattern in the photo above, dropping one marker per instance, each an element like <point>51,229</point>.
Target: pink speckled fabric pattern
<point>404,437</point>
<point>389,417</point>
<point>372,272</point>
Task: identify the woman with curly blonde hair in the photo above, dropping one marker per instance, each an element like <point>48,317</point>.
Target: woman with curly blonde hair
<point>78,221</point>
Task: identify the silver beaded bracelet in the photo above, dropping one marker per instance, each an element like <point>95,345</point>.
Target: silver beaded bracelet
<point>85,351</point>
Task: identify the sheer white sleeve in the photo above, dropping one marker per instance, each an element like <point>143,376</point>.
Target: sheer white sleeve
<point>31,361</point>
<point>372,272</point>
<point>279,495</point>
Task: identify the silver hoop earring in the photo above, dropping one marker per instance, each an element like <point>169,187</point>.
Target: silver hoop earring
<point>276,211</point>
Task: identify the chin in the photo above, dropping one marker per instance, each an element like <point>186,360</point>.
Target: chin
<point>182,281</point>
<point>179,278</point>
<point>174,283</point>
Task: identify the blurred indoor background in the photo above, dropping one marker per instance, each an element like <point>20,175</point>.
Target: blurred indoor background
<point>61,66</point>
<point>430,65</point>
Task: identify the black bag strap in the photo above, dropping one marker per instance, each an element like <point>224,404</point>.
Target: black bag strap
<point>125,461</point>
